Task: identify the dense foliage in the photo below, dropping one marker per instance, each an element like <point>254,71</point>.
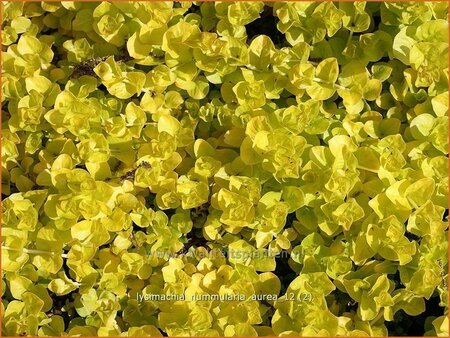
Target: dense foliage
<point>296,150</point>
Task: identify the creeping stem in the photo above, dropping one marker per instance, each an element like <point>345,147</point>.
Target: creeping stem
<point>33,251</point>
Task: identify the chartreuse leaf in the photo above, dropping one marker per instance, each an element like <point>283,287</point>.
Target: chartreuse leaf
<point>261,51</point>
<point>237,210</point>
<point>250,95</point>
<point>243,253</point>
<point>62,286</point>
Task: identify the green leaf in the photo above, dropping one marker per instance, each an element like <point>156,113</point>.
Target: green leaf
<point>328,70</point>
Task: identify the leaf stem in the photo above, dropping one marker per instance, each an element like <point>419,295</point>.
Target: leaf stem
<point>335,85</point>
<point>349,39</point>
<point>33,251</point>
<point>373,321</point>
